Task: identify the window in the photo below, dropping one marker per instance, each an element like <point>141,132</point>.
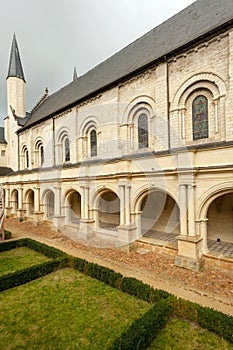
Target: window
<point>93,142</point>
<point>142,131</point>
<point>25,157</point>
<point>39,153</point>
<point>200,118</point>
<point>66,149</point>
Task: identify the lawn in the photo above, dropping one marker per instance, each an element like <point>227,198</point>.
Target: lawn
<point>19,258</point>
<point>65,310</point>
<point>183,335</point>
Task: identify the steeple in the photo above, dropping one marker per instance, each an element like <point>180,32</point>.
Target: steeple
<point>75,76</point>
<point>15,65</point>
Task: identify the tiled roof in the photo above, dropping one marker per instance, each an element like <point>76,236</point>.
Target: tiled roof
<point>15,65</point>
<point>194,22</point>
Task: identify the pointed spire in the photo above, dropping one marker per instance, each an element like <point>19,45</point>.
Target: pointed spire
<point>75,76</point>
<point>15,66</point>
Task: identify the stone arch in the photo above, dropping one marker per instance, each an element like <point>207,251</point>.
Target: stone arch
<point>63,145</point>
<point>107,208</point>
<point>87,124</point>
<point>141,191</point>
<point>215,214</point>
<point>157,211</point>
<point>38,152</point>
<point>203,80</point>
<point>73,206</point>
<point>140,102</point>
<point>29,202</point>
<point>48,200</point>
<point>209,196</point>
<point>14,200</point>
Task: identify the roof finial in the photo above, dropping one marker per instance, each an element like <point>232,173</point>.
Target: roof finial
<point>75,76</point>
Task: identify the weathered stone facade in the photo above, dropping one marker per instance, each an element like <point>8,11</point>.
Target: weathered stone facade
<point>85,170</point>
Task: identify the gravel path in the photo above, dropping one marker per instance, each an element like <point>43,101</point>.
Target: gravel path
<point>211,287</point>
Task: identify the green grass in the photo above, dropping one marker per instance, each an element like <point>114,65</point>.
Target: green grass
<point>65,310</point>
<point>19,258</point>
<point>183,335</point>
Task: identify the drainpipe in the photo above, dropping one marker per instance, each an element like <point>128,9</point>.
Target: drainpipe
<point>168,103</point>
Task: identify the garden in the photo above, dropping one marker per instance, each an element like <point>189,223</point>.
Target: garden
<point>51,300</point>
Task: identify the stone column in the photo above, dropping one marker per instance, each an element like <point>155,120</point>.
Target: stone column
<point>57,204</point>
<point>7,198</point>
<point>122,204</point>
<point>20,198</point>
<point>127,205</point>
<point>36,199</point>
<point>87,203</point>
<point>204,235</point>
<point>83,203</point>
<point>191,210</point>
<point>183,210</point>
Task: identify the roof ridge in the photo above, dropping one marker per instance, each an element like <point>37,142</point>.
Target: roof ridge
<point>41,100</point>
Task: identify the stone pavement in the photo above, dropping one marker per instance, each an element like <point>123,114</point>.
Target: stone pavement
<point>212,287</point>
<point>223,248</point>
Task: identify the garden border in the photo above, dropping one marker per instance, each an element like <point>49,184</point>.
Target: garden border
<point>142,331</point>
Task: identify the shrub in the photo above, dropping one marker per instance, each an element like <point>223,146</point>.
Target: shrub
<point>26,275</point>
<point>49,251</point>
<point>143,330</point>
<point>4,246</point>
<point>7,235</point>
<point>207,318</point>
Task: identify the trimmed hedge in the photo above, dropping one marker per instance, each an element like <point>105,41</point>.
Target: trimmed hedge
<point>4,246</point>
<point>213,320</point>
<point>144,330</point>
<point>49,251</point>
<point>31,273</point>
<point>136,336</point>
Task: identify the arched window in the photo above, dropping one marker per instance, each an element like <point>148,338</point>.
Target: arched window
<point>39,153</point>
<point>93,143</point>
<point>25,158</point>
<point>63,147</point>
<point>200,117</point>
<point>66,147</point>
<point>142,131</point>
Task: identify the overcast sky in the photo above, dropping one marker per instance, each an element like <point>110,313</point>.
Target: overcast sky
<point>56,35</point>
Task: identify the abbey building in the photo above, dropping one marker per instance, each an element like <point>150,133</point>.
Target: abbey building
<point>139,149</point>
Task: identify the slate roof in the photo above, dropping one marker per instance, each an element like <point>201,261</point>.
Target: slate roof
<point>2,137</point>
<point>192,23</point>
<point>5,171</point>
<point>15,65</point>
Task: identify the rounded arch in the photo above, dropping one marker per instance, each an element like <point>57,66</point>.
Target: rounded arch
<point>144,190</point>
<point>138,105</point>
<point>209,196</point>
<point>67,191</point>
<point>98,191</point>
<point>107,209</point>
<point>49,201</point>
<point>29,201</point>
<point>14,200</point>
<point>39,152</point>
<point>87,124</point>
<point>73,205</point>
<point>159,213</point>
<point>143,101</point>
<point>203,80</point>
<point>61,133</point>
